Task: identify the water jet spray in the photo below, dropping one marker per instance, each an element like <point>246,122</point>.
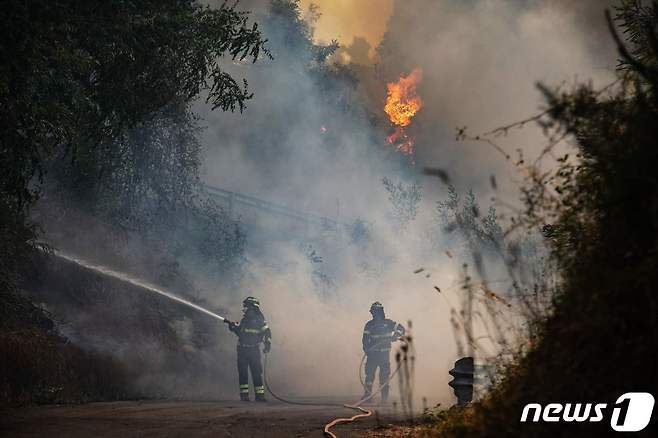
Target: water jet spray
<point>143,285</point>
<point>103,270</point>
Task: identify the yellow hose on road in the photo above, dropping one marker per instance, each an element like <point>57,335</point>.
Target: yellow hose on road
<point>365,413</point>
<point>354,406</point>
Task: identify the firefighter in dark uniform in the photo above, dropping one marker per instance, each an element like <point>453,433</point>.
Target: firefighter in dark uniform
<point>252,331</point>
<point>378,334</point>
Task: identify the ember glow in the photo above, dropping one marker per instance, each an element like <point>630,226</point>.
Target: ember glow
<point>401,140</point>
<point>402,104</point>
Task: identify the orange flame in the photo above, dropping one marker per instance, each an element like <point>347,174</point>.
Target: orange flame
<point>402,104</point>
<point>402,101</point>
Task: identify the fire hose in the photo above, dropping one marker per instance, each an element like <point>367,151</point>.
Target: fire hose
<point>356,406</point>
<point>103,270</point>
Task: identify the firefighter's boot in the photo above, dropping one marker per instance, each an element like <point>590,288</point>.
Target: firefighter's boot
<point>259,389</point>
<point>244,392</point>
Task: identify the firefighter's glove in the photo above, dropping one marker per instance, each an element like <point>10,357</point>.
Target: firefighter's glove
<point>266,348</point>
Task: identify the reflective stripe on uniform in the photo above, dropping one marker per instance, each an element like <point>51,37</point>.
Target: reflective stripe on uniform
<point>264,328</point>
<point>244,389</point>
<point>248,345</point>
<point>366,332</point>
<point>381,349</point>
<point>387,335</point>
<point>248,330</point>
<point>260,390</point>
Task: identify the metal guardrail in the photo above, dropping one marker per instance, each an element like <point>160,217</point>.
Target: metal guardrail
<point>233,198</point>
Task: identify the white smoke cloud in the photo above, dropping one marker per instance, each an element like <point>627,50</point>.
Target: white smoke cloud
<point>296,146</point>
<point>481,60</point>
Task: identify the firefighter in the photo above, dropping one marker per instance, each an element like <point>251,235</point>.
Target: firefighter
<point>378,334</point>
<point>252,331</point>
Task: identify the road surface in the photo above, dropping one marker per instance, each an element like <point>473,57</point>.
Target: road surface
<point>162,419</point>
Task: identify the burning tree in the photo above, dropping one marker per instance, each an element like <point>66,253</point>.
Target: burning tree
<point>402,104</point>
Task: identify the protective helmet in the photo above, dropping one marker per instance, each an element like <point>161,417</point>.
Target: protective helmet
<point>251,302</point>
<point>376,307</point>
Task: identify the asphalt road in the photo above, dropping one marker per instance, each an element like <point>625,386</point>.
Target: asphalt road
<point>128,419</point>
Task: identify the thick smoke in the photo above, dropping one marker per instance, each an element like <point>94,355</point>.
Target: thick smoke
<point>313,140</point>
<point>306,142</point>
<point>481,60</point>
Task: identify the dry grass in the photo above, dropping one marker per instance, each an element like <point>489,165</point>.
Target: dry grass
<point>39,366</point>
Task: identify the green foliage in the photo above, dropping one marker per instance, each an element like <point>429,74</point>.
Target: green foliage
<point>83,72</point>
<point>295,34</point>
<point>218,238</point>
<point>15,235</point>
<point>638,20</point>
<point>503,275</point>
<point>290,36</point>
<point>600,210</point>
<point>94,100</point>
<point>404,200</point>
<point>98,94</point>
<point>139,179</point>
<point>477,233</point>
